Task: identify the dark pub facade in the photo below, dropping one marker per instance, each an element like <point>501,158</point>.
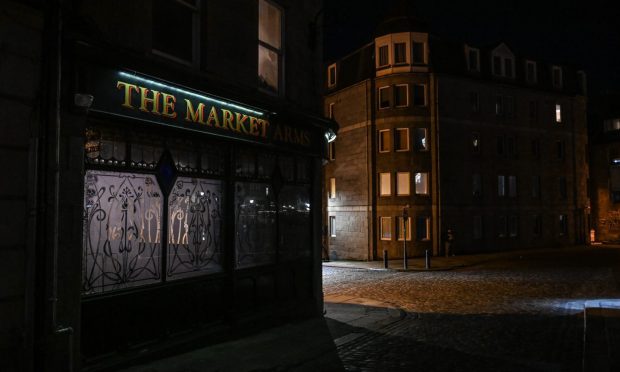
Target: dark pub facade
<point>175,195</point>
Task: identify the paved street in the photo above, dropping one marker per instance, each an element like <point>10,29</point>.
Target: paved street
<point>507,312</point>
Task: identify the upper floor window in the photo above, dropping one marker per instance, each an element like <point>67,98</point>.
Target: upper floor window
<point>558,113</point>
<point>332,188</point>
<point>401,95</point>
<point>421,183</point>
<point>401,142</point>
<point>384,56</point>
<point>556,72</point>
<point>419,95</point>
<point>385,143</point>
<point>331,75</point>
<point>269,46</point>
<point>330,109</point>
<point>508,67</point>
<point>475,143</point>
<point>384,97</point>
<point>503,61</point>
<point>417,51</point>
<point>385,184</point>
<point>611,125</point>
<point>474,99</point>
<point>400,53</point>
<point>497,65</point>
<point>402,183</point>
<point>331,150</point>
<point>473,59</point>
<point>530,72</point>
<point>421,141</point>
<point>183,42</point>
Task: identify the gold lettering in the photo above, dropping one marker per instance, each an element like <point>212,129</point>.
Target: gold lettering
<point>241,119</point>
<point>213,118</point>
<point>144,100</point>
<point>168,109</point>
<point>264,124</point>
<point>254,126</point>
<point>227,119</point>
<point>197,115</point>
<point>129,88</point>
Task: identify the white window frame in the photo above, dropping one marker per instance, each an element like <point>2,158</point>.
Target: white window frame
<point>379,101</point>
<point>559,84</point>
<point>406,95</point>
<point>332,226</point>
<point>399,227</point>
<point>332,188</point>
<point>385,182</point>
<point>385,235</point>
<point>381,144</point>
<point>279,51</point>
<point>330,68</point>
<point>396,136</point>
<point>531,79</point>
<point>405,190</point>
<point>424,176</point>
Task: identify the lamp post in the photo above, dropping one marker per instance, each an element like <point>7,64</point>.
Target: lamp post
<point>405,217</point>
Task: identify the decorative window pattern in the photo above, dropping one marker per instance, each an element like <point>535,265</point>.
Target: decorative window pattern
<point>255,220</point>
<point>122,234</point>
<point>294,222</point>
<point>194,227</point>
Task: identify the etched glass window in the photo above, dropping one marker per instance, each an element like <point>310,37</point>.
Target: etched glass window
<point>122,236</point>
<point>255,222</point>
<point>194,227</point>
<point>294,222</point>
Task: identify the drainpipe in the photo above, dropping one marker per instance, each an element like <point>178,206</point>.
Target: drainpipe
<point>370,158</point>
<point>437,165</point>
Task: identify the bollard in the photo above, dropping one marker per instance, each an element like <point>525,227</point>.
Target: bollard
<point>428,259</point>
<point>385,259</point>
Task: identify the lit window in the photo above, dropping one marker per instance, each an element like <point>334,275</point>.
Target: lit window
<point>557,76</point>
<point>421,140</point>
<point>611,125</point>
<point>419,95</point>
<point>421,183</point>
<point>475,143</point>
<point>400,53</point>
<point>384,97</point>
<point>402,183</point>
<point>512,186</point>
<point>332,226</point>
<point>269,46</point>
<point>558,113</point>
<point>513,226</point>
<point>331,75</point>
<point>385,141</point>
<point>501,185</point>
<point>332,188</point>
<point>331,149</point>
<point>530,72</point>
<point>423,228</point>
<point>385,184</point>
<point>401,142</point>
<point>384,57</point>
<point>386,228</point>
<point>418,52</point>
<point>476,185</point>
<point>477,227</point>
<point>183,42</point>
<point>400,226</point>
<point>401,95</point>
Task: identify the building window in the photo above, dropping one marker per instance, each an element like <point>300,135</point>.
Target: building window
<point>269,46</point>
<point>511,147</point>
<point>563,193</point>
<point>473,58</point>
<point>474,100</point>
<point>332,226</point>
<point>558,113</point>
<point>401,95</point>
<point>536,187</point>
<point>499,105</point>
<point>497,65</point>
<point>611,125</point>
<point>513,226</point>
<point>419,95</point>
<point>501,144</point>
<point>537,225</point>
<point>477,227</point>
<point>384,97</point>
<point>385,141</point>
<point>533,112</point>
<point>402,183</point>
<point>384,56</point>
<point>386,228</point>
<point>563,224</point>
<point>182,43</point>
<point>560,149</point>
<point>421,183</point>
<point>400,53</point>
<point>332,188</point>
<point>530,72</point>
<point>330,112</point>
<point>536,149</point>
<point>501,185</point>
<point>401,142</point>
<point>385,184</point>
<point>502,227</point>
<point>476,185</point>
<point>475,143</point>
<point>423,228</point>
<point>331,75</point>
<point>509,106</point>
<point>508,71</point>
<point>421,141</point>
<point>512,186</point>
<point>331,149</point>
<point>400,226</point>
<point>556,72</point>
<point>418,53</point>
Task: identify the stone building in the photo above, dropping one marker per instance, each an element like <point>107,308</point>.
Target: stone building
<point>161,176</point>
<point>484,141</point>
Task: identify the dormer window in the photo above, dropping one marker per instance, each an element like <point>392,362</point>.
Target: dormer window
<point>508,67</point>
<point>400,53</point>
<point>417,49</point>
<point>503,61</point>
<point>384,56</point>
<point>473,58</point>
<point>556,73</point>
<point>530,72</point>
<point>331,75</point>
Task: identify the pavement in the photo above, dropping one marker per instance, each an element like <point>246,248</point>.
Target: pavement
<point>318,344</point>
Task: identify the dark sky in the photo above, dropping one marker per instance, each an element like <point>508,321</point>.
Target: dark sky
<point>567,32</point>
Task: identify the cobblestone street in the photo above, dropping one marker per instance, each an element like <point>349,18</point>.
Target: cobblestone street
<point>510,312</point>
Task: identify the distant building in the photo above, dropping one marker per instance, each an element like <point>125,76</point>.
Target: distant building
<point>161,172</point>
<point>484,141</point>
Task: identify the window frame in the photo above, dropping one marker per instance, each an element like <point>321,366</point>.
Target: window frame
<point>382,232</point>
<point>397,136</point>
<point>379,97</point>
<point>427,229</point>
<point>405,55</point>
<point>531,79</point>
<point>427,146</point>
<point>396,89</point>
<point>385,179</point>
<point>475,51</point>
<point>559,84</point>
<point>408,183</point>
<point>423,175</point>
<point>415,96</point>
<point>279,51</point>
<point>332,226</point>
<point>379,55</point>
<point>331,150</point>
<point>381,146</point>
<point>399,228</point>
<point>332,188</point>
<point>196,39</point>
<point>413,54</point>
<point>330,68</point>
<point>558,113</point>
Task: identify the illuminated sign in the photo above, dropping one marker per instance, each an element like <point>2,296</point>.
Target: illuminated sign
<point>136,96</point>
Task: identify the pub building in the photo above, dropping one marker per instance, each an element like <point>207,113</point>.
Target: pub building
<point>179,190</point>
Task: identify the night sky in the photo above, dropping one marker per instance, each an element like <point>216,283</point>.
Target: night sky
<point>567,32</point>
